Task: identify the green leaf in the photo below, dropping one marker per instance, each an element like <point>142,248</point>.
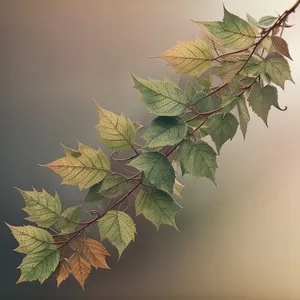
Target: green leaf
<point>85,169</point>
<point>118,228</point>
<point>189,91</point>
<point>267,21</point>
<point>281,46</point>
<point>93,193</point>
<point>237,63</point>
<point>69,219</point>
<point>42,208</point>
<point>191,58</point>
<point>31,239</point>
<point>165,131</point>
<point>261,100</point>
<point>39,265</point>
<point>221,128</point>
<point>234,32</point>
<point>163,98</point>
<point>157,170</point>
<point>251,20</point>
<point>116,132</point>
<point>157,206</point>
<point>278,69</point>
<point>114,186</point>
<point>244,116</point>
<point>205,103</point>
<point>198,159</point>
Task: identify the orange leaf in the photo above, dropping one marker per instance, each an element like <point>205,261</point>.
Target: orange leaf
<point>81,268</point>
<point>64,270</point>
<point>95,253</point>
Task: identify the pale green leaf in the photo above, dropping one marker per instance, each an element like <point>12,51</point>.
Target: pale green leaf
<point>42,208</point>
<point>234,32</point>
<point>244,117</point>
<point>164,131</point>
<point>69,219</point>
<point>157,206</point>
<point>157,170</point>
<point>251,20</point>
<point>221,128</point>
<point>267,21</point>
<point>278,68</point>
<point>114,186</point>
<point>85,169</point>
<point>39,265</point>
<point>261,100</point>
<point>198,159</point>
<point>118,227</point>
<point>163,98</point>
<point>31,239</point>
<point>190,91</point>
<point>116,132</point>
<point>191,58</point>
<point>281,46</point>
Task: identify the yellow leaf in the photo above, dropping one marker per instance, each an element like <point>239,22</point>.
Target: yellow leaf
<point>64,269</point>
<point>83,167</point>
<point>81,268</point>
<point>191,58</point>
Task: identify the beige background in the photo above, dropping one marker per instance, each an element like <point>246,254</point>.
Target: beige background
<point>240,240</point>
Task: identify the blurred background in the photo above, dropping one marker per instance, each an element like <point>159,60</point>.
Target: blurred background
<point>239,240</point>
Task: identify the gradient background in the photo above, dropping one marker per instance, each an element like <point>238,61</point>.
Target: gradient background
<point>240,240</point>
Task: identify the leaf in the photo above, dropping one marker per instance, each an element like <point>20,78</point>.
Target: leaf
<point>69,219</point>
<point>234,32</point>
<point>164,131</point>
<point>81,268</point>
<point>212,42</point>
<point>93,194</point>
<point>235,64</point>
<point>163,98</point>
<point>64,270</point>
<point>190,91</point>
<point>31,239</point>
<point>94,252</point>
<point>116,132</point>
<point>178,187</point>
<point>221,129</point>
<point>118,228</point>
<point>114,186</point>
<point>157,206</point>
<point>39,265</point>
<point>251,20</point>
<point>191,58</point>
<point>261,100</point>
<point>281,46</point>
<point>198,159</point>
<point>85,169</point>
<point>157,170</point>
<point>278,69</point>
<point>244,116</point>
<point>42,208</point>
<point>205,103</point>
<point>267,21</point>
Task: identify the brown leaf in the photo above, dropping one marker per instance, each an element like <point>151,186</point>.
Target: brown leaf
<point>64,269</point>
<point>95,253</point>
<point>81,268</point>
<point>281,46</point>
